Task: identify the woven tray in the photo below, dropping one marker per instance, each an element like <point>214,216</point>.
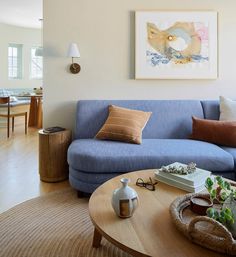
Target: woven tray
<point>201,230</point>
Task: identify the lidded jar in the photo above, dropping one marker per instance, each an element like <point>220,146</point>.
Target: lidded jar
<point>124,199</point>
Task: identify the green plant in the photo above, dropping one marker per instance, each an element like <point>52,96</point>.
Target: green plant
<point>224,216</point>
<point>219,190</point>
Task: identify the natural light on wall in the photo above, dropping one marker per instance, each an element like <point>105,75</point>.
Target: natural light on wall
<point>36,64</point>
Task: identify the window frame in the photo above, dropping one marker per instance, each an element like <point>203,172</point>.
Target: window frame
<point>19,61</point>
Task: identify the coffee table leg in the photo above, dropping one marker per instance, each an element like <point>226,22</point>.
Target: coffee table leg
<point>97,237</point>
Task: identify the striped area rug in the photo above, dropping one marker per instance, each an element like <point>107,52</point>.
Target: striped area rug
<point>55,225</point>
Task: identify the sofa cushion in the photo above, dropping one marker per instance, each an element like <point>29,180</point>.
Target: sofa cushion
<point>227,109</point>
<point>169,119</point>
<point>92,177</point>
<point>4,92</point>
<point>214,131</point>
<point>77,183</point>
<point>98,156</point>
<point>232,151</point>
<point>124,125</point>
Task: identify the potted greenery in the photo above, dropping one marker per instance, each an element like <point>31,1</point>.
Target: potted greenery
<point>223,194</point>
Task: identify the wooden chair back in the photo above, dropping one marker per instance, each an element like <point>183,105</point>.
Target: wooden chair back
<point>9,114</point>
<point>6,100</point>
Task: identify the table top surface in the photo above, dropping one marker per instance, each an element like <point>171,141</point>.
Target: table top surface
<point>150,231</point>
<point>28,95</point>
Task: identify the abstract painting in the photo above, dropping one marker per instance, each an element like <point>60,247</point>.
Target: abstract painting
<point>176,45</point>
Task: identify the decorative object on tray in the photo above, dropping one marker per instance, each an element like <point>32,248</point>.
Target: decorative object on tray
<point>215,232</point>
<point>124,200</point>
<point>200,204</point>
<point>186,177</point>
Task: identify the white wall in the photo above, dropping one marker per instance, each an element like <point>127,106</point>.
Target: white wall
<point>19,35</point>
<point>104,31</point>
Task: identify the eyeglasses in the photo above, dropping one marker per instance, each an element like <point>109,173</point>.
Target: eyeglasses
<point>149,185</point>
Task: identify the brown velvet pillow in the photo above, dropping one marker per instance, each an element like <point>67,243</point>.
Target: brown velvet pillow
<point>214,131</point>
<point>124,125</point>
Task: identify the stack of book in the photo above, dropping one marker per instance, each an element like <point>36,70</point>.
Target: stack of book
<point>193,182</point>
<point>53,130</point>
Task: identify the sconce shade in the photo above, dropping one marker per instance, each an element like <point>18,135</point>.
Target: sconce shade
<point>73,50</point>
<point>39,51</point>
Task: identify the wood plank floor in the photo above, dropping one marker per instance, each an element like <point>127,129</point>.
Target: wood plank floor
<point>19,178</point>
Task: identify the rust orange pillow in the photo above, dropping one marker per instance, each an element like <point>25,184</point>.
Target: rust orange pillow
<point>214,131</point>
<point>124,125</point>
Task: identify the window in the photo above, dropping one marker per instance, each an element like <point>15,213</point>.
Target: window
<point>36,65</point>
<point>15,61</point>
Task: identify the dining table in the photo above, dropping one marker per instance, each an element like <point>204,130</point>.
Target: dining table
<point>35,110</point>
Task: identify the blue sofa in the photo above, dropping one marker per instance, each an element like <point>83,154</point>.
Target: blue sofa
<point>165,140</point>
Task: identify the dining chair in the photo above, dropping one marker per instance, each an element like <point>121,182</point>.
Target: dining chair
<point>10,114</point>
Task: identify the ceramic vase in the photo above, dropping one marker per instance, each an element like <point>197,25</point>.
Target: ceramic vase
<point>124,200</point>
<point>230,202</point>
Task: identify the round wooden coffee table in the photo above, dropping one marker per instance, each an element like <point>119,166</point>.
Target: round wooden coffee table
<point>150,231</point>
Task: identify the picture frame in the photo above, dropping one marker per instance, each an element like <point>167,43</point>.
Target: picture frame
<point>176,45</point>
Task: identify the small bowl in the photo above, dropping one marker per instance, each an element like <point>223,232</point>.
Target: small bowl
<point>38,91</point>
<point>200,204</point>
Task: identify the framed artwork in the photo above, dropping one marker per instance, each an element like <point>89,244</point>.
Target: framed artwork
<point>176,45</point>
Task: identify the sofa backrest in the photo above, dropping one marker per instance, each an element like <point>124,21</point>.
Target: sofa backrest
<point>169,119</point>
<point>211,109</point>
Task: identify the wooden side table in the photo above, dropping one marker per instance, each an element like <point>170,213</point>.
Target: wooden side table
<point>36,111</point>
<point>53,166</point>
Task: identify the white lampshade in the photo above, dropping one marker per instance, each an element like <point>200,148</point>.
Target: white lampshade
<point>73,50</point>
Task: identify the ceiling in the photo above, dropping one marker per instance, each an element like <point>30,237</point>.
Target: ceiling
<point>23,13</point>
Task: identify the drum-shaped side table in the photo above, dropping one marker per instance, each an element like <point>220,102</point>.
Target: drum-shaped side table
<point>53,166</point>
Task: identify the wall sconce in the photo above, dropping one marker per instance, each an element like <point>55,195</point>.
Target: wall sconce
<point>73,52</point>
<point>39,51</point>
